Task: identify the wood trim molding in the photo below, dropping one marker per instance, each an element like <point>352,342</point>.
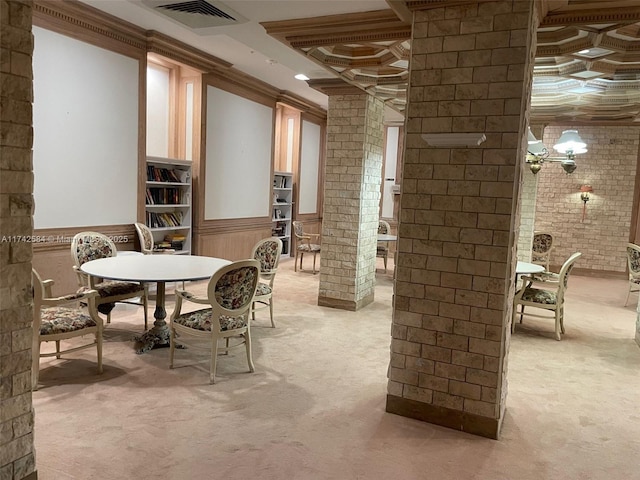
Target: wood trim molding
<point>89,24</point>
<point>218,227</point>
<point>415,5</point>
<point>335,86</point>
<point>181,52</point>
<point>617,12</point>
<point>335,29</point>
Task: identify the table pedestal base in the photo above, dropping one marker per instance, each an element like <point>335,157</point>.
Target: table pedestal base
<point>159,335</point>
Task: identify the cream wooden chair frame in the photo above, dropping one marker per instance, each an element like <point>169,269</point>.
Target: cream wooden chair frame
<point>633,262</point>
<point>89,282</point>
<point>553,300</point>
<point>304,245</point>
<point>217,314</point>
<point>541,249</point>
<point>382,248</point>
<point>45,302</point>
<point>147,244</point>
<point>268,270</point>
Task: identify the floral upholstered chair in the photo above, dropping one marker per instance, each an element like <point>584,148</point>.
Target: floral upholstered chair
<point>552,300</point>
<point>87,246</point>
<point>147,244</point>
<point>304,245</point>
<point>633,261</point>
<point>541,249</point>
<point>53,322</point>
<point>230,294</point>
<point>383,247</point>
<point>267,252</point>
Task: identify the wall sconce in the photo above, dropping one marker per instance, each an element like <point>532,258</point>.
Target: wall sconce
<point>569,143</point>
<point>585,190</point>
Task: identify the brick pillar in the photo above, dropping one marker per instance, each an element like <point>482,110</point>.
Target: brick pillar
<point>471,71</point>
<point>16,205</point>
<point>353,175</point>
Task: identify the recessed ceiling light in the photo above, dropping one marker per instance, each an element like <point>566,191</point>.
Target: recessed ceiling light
<point>583,52</point>
<point>301,76</point>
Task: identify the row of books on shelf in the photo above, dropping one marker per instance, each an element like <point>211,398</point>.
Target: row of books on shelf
<point>158,174</point>
<point>171,242</point>
<point>165,219</point>
<point>164,196</point>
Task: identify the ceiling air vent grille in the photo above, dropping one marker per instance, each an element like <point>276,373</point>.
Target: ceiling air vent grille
<point>198,15</point>
<point>198,7</point>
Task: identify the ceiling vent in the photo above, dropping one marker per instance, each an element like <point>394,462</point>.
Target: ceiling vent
<point>197,14</point>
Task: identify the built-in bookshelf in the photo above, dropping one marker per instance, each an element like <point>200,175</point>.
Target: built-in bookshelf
<point>168,203</point>
<point>281,209</point>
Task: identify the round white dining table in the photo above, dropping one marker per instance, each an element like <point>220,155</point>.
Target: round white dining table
<point>158,269</point>
<point>386,237</point>
<point>526,268</point>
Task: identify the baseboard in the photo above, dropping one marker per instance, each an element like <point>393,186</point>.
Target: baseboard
<point>349,305</point>
<point>445,417</point>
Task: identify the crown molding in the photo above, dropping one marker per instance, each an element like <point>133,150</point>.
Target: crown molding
<point>620,12</point>
<point>89,24</point>
<point>181,52</point>
<point>415,5</point>
<point>335,86</point>
<point>336,29</point>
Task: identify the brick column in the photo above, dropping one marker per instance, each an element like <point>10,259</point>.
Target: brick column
<point>353,175</point>
<point>471,71</point>
<point>16,205</point>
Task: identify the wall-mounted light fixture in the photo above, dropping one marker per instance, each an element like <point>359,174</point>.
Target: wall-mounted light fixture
<point>585,190</point>
<point>569,143</point>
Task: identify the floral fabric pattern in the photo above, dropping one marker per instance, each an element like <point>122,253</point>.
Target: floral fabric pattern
<point>382,228</point>
<point>267,255</point>
<point>92,247</point>
<point>263,289</point>
<point>634,260</point>
<point>236,288</point>
<point>147,239</point>
<point>542,243</point>
<point>538,295</point>
<point>201,320</point>
<point>309,247</point>
<point>113,288</point>
<point>63,320</point>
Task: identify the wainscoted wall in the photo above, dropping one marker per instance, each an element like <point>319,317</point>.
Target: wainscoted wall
<point>610,168</point>
<point>235,244</point>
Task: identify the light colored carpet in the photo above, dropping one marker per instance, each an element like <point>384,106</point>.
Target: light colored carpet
<point>314,408</point>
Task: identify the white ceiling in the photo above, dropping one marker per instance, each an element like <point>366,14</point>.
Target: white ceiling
<point>246,45</point>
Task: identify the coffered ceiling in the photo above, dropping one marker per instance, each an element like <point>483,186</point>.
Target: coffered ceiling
<point>587,65</point>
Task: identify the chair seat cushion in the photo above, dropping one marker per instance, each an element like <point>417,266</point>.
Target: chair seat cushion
<point>538,295</point>
<point>309,248</point>
<point>382,250</point>
<point>63,320</point>
<point>201,320</point>
<point>635,280</point>
<point>113,288</point>
<point>263,289</point>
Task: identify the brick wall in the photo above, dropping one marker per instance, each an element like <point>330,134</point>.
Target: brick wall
<point>610,168</point>
<point>471,70</point>
<point>16,204</point>
<point>353,175</point>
